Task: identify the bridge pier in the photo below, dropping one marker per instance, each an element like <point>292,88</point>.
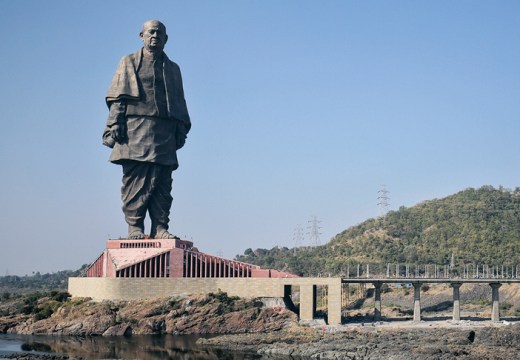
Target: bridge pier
<point>307,302</point>
<point>377,300</point>
<point>455,283</point>
<point>456,301</point>
<point>334,303</point>
<point>308,296</point>
<point>417,302</point>
<point>495,312</point>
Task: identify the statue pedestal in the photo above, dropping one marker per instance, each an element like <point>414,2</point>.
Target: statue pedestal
<point>170,258</point>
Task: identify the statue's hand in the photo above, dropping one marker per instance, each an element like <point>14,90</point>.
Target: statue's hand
<point>118,132</point>
<point>180,136</point>
<point>181,140</point>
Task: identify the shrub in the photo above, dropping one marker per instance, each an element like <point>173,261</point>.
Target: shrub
<point>60,296</point>
<point>45,313</point>
<point>385,288</point>
<point>175,303</point>
<point>505,306</point>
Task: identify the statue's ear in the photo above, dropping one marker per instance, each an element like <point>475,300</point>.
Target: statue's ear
<point>141,35</point>
<point>166,38</point>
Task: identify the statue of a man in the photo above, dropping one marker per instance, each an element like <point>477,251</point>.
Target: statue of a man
<point>148,122</point>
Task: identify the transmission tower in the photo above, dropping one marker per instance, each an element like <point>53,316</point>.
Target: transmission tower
<point>298,236</point>
<point>314,231</point>
<point>382,201</point>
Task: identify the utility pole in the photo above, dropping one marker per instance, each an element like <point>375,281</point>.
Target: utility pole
<point>314,231</point>
<point>382,201</point>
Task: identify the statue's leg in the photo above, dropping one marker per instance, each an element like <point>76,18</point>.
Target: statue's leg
<point>160,203</point>
<point>135,193</point>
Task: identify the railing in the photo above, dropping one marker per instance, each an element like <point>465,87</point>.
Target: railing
<point>430,271</point>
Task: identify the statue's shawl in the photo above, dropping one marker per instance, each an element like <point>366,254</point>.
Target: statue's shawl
<point>125,85</point>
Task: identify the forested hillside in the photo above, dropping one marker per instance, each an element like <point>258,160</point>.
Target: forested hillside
<point>474,226</point>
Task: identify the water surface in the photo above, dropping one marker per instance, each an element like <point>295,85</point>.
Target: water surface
<point>146,347</point>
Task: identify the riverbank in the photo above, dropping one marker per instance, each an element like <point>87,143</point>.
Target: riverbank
<point>260,327</point>
<point>389,341</point>
<point>29,356</point>
<point>215,313</point>
<point>428,340</point>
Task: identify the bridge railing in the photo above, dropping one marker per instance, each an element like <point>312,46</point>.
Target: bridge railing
<point>429,271</point>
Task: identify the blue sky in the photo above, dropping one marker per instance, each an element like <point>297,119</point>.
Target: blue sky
<point>299,109</point>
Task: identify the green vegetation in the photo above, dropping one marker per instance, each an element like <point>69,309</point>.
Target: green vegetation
<point>39,295</point>
<point>174,303</point>
<point>385,289</point>
<point>480,302</point>
<point>505,306</point>
<point>13,284</point>
<point>40,305</point>
<point>228,303</point>
<point>475,226</point>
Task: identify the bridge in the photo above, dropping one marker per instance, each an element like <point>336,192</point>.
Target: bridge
<point>455,283</point>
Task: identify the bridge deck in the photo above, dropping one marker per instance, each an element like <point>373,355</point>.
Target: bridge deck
<point>430,280</point>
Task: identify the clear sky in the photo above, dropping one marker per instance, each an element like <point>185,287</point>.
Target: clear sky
<point>299,109</point>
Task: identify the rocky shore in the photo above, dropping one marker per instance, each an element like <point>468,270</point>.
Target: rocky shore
<point>29,356</point>
<point>394,342</point>
<point>263,328</point>
<point>209,314</point>
<point>379,342</point>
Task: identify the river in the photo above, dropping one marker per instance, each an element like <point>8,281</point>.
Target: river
<point>146,347</point>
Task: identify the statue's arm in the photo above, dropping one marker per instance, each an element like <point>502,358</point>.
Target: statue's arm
<point>116,130</point>
<point>183,122</point>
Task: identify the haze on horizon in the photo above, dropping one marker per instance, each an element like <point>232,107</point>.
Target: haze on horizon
<point>299,109</point>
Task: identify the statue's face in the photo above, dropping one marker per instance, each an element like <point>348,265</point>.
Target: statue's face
<point>154,36</point>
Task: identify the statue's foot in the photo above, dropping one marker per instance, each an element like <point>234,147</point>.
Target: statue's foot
<point>163,234</point>
<point>135,233</point>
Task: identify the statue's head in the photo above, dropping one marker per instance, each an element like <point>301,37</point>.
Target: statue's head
<point>153,35</point>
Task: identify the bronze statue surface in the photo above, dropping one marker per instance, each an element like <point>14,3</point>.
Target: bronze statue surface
<point>148,122</point>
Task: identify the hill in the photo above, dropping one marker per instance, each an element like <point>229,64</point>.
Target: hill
<point>473,226</point>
